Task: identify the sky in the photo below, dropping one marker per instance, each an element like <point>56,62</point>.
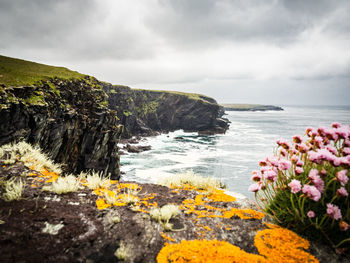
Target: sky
<point>236,51</point>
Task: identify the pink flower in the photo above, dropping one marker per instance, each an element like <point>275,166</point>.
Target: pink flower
<point>271,175</point>
<point>345,160</point>
<point>347,142</point>
<point>295,186</point>
<point>342,177</point>
<point>300,163</point>
<point>299,170</point>
<point>316,180</point>
<point>254,187</point>
<point>273,160</point>
<point>342,192</point>
<point>346,151</point>
<point>284,164</point>
<point>297,139</point>
<point>321,131</point>
<point>285,144</point>
<point>323,172</point>
<point>310,131</point>
<point>342,132</point>
<point>256,176</point>
<point>332,149</point>
<point>333,211</point>
<point>262,163</point>
<point>312,192</point>
<point>336,125</point>
<point>337,161</point>
<point>283,152</point>
<point>311,214</point>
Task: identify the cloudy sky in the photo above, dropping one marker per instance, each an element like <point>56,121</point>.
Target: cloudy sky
<point>241,51</point>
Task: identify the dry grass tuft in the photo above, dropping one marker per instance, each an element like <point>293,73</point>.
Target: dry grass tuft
<point>64,185</point>
<point>13,190</point>
<point>189,178</point>
<point>164,214</point>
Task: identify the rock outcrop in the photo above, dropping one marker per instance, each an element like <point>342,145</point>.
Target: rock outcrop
<point>68,119</point>
<point>144,112</point>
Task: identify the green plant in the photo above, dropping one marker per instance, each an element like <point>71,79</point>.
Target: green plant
<point>305,184</point>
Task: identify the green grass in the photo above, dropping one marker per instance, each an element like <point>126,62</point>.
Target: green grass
<point>18,72</point>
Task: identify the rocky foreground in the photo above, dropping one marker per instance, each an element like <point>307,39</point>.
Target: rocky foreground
<point>91,219</point>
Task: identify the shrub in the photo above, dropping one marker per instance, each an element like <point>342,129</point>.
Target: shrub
<point>305,184</point>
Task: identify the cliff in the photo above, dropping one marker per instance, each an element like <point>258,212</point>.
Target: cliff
<point>250,107</point>
<point>67,116</point>
<point>144,112</point>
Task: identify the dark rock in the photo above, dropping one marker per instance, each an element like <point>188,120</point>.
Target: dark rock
<point>137,148</point>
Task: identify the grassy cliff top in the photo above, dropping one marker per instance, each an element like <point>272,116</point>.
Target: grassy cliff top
<point>193,96</point>
<point>17,72</point>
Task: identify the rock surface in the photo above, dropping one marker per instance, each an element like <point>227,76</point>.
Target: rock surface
<point>145,112</point>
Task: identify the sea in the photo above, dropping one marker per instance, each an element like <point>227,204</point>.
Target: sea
<point>229,157</point>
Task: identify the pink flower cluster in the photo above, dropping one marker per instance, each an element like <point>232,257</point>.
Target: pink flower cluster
<point>333,212</point>
<point>307,166</point>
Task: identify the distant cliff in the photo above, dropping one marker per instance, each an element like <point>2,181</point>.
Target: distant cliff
<point>144,111</point>
<point>250,107</point>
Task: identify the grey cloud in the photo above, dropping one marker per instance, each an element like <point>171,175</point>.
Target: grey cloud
<point>199,23</point>
<point>74,30</point>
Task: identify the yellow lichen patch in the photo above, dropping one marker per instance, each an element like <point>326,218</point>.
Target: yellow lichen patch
<point>198,251</point>
<point>282,245</point>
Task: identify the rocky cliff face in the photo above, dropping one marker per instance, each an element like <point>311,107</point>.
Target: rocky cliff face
<point>69,119</point>
<point>143,112</point>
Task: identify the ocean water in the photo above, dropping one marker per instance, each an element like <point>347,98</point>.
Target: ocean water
<point>230,157</point>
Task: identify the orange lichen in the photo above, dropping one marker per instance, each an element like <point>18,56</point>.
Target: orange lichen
<point>167,237</point>
<point>197,251</point>
<point>190,206</point>
<point>101,204</point>
<point>51,175</point>
<point>220,196</point>
<point>282,245</point>
<point>274,245</point>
